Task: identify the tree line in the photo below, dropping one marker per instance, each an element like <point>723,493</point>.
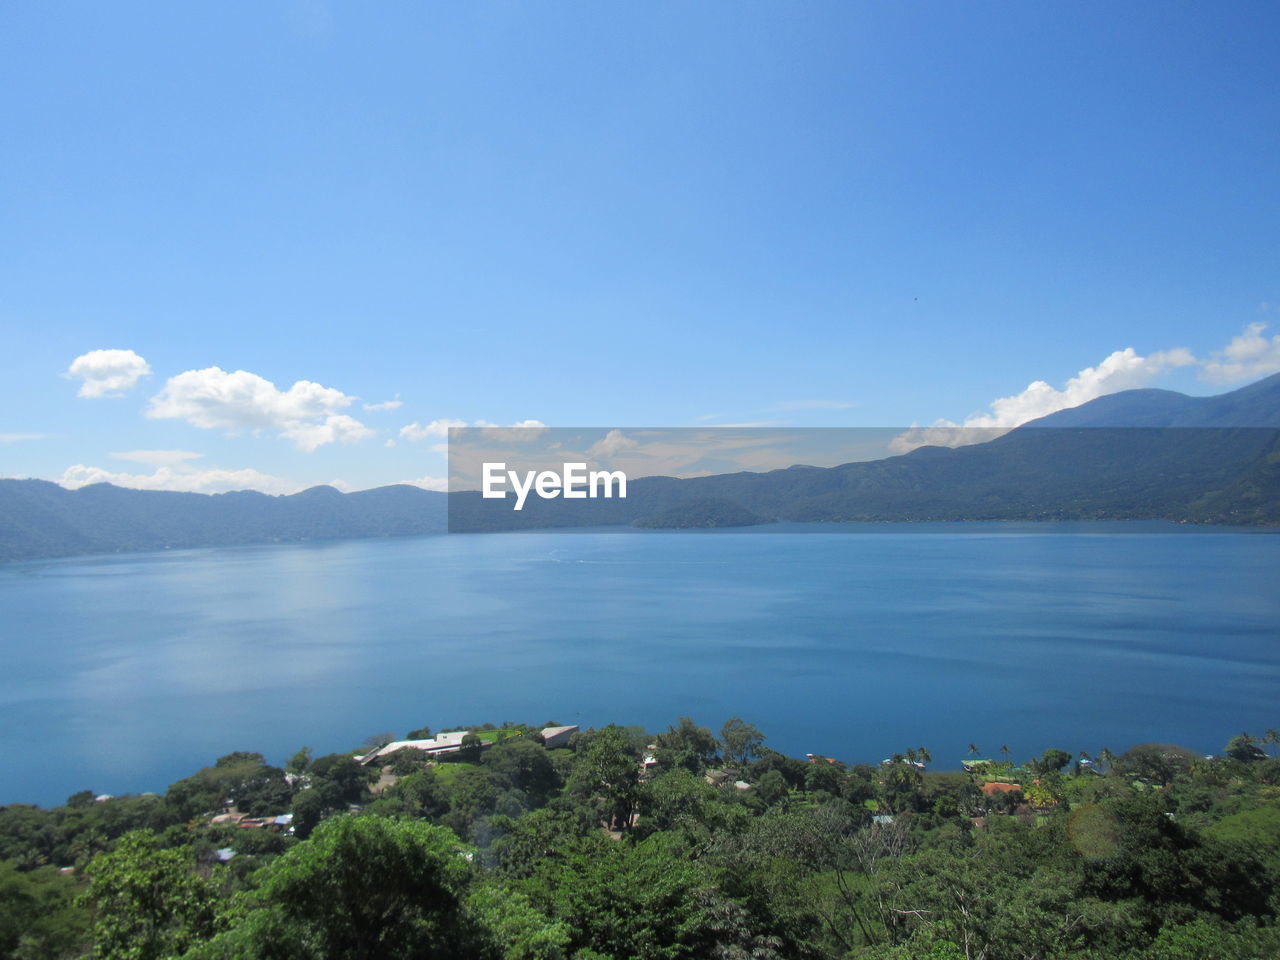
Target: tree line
<point>678,844</point>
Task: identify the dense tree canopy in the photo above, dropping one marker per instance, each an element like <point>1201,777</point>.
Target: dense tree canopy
<point>512,851</point>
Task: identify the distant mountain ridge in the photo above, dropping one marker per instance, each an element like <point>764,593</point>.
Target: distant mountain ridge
<point>42,519</point>
<point>1136,454</point>
<point>1255,405</point>
<point>1141,454</point>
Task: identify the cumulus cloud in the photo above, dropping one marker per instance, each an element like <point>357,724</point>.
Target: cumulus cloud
<point>107,373</point>
<point>436,428</point>
<point>1247,356</point>
<point>1122,370</point>
<point>395,404</point>
<point>338,428</point>
<point>214,399</point>
<point>611,444</point>
<point>181,478</point>
<point>430,483</point>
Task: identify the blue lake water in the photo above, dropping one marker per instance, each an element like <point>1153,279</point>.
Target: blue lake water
<point>122,674</point>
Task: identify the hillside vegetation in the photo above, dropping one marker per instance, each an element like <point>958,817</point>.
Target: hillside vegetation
<point>679,844</point>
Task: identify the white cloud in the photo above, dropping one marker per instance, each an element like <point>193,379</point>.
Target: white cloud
<point>1122,370</point>
<point>107,373</point>
<point>612,443</point>
<point>157,458</point>
<point>181,478</point>
<point>338,428</point>
<point>430,483</point>
<point>436,428</point>
<point>1247,356</point>
<point>214,399</point>
<point>395,404</point>
<point>18,437</point>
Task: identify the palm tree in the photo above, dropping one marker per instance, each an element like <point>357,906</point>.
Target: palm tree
<point>973,749</point>
<point>1107,758</point>
<point>924,755</point>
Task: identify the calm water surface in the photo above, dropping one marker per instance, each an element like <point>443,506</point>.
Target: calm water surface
<point>123,674</point>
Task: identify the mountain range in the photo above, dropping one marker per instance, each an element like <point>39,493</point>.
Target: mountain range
<point>1138,454</point>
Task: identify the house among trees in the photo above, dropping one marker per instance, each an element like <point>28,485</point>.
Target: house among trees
<point>557,736</point>
<point>441,743</point>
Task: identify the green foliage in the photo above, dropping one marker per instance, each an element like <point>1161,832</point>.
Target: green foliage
<point>419,795</point>
<point>147,902</point>
<point>75,834</point>
<point>623,901</point>
<point>40,917</point>
<point>687,745</point>
<point>300,762</point>
<point>1258,828</point>
<point>1051,761</point>
<point>609,768</point>
<point>771,788</point>
<point>240,778</point>
<point>361,888</point>
<point>1157,853</point>
<point>685,803</point>
<point>1245,748</point>
<point>520,930</point>
<point>522,765</point>
<point>742,741</point>
<point>1160,763</point>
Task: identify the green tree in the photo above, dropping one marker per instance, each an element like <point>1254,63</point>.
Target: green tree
<point>771,788</point>
<point>147,903</point>
<point>1052,761</point>
<point>687,745</point>
<point>742,741</point>
<point>1161,763</point>
<point>521,931</point>
<point>1245,748</point>
<point>629,902</point>
<point>361,888</point>
<point>340,779</point>
<point>40,918</point>
<point>521,764</point>
<point>299,762</point>
<point>610,768</point>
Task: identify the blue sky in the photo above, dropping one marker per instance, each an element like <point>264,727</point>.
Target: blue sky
<point>607,214</point>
